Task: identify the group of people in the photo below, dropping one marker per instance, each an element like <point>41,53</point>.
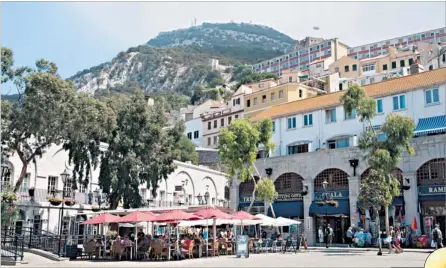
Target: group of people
<point>325,235</point>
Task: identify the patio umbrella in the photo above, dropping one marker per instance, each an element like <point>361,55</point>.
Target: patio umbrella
<point>285,222</point>
<point>138,216</point>
<point>267,221</point>
<point>214,214</point>
<point>102,218</point>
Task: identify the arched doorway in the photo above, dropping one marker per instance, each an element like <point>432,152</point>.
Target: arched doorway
<point>337,216</point>
<point>396,210</point>
<point>431,178</point>
<point>289,203</point>
<point>245,196</point>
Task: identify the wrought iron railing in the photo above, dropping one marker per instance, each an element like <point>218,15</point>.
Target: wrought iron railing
<point>12,245</point>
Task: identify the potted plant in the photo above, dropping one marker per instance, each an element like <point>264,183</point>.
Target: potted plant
<point>55,201</point>
<point>8,196</point>
<point>320,204</point>
<point>31,192</point>
<point>69,202</point>
<point>111,234</point>
<point>95,208</point>
<point>333,203</point>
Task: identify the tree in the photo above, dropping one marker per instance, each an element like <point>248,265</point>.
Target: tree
<point>267,191</point>
<point>383,155</point>
<point>238,146</point>
<point>186,151</point>
<point>43,116</point>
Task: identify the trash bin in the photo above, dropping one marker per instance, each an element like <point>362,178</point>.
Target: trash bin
<point>71,251</point>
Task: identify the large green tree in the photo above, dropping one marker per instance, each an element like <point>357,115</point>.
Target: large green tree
<point>383,155</point>
<point>238,147</point>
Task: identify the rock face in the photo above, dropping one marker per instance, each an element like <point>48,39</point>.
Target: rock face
<point>176,61</point>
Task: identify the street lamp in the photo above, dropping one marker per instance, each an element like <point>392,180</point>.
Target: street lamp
<point>199,198</point>
<point>325,185</point>
<point>65,176</point>
<point>206,197</point>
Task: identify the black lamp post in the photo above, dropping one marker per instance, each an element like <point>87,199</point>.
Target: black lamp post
<point>325,184</point>
<point>199,198</point>
<point>206,197</point>
<point>65,175</point>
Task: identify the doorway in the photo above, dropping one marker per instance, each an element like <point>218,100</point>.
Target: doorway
<point>339,224</point>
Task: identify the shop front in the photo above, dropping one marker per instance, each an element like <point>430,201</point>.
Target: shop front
<point>331,185</point>
<point>289,202</point>
<point>431,178</point>
<point>245,198</point>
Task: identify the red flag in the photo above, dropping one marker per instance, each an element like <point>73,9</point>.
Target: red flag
<point>414,223</point>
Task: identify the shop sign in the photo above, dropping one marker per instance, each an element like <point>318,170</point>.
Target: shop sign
<point>247,199</point>
<point>432,190</point>
<point>343,194</point>
<point>288,197</point>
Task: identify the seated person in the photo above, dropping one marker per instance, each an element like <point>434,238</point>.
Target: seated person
<point>126,242</point>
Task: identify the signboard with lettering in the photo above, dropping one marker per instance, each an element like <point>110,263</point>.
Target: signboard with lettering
<point>178,188</point>
<point>432,189</point>
<point>341,194</point>
<point>280,198</point>
<point>247,199</point>
<point>242,246</point>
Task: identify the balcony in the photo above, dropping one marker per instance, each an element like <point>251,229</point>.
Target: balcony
<point>42,195</point>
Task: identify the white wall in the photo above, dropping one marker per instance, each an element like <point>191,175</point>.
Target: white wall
<point>192,126</point>
<point>320,132</point>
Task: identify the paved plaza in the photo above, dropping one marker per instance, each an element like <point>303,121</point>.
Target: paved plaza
<point>314,258</point>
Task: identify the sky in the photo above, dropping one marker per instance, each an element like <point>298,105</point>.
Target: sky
<point>80,35</point>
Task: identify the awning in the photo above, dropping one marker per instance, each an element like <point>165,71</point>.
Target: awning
<point>288,209</point>
<point>342,208</point>
<point>435,197</point>
<point>398,201</point>
<point>256,204</point>
<point>431,125</point>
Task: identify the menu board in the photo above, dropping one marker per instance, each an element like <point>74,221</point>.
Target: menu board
<point>242,246</point>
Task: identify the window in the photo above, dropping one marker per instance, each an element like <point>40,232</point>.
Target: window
<point>402,63</point>
<point>248,103</point>
<point>52,184</point>
<point>410,62</point>
<point>308,120</point>
<point>215,123</point>
<point>298,149</point>
<point>368,68</point>
<point>372,80</point>
<point>354,67</point>
<point>330,116</point>
<point>346,68</point>
<point>432,96</point>
<point>236,102</point>
<point>292,123</point>
<point>384,67</point>
<point>431,68</point>
<point>350,115</point>
<point>443,58</point>
<point>229,120</point>
<point>399,102</point>
<point>280,94</point>
<point>290,79</point>
<point>196,134</point>
<point>263,98</point>
<point>209,141</point>
<point>25,184</point>
<point>255,101</point>
<point>274,126</point>
<point>393,64</point>
<point>379,106</point>
<point>189,135</point>
<point>236,116</point>
<point>215,139</point>
<point>273,96</point>
<point>68,188</point>
<point>209,125</point>
<point>260,85</point>
<point>363,82</point>
<point>222,122</point>
<point>340,86</point>
<point>339,143</point>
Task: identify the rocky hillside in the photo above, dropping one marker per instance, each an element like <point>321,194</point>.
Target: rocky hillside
<point>177,61</point>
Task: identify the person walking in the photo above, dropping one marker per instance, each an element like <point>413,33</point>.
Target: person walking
<point>329,234</point>
<point>320,234</point>
<point>437,237</point>
<point>350,237</point>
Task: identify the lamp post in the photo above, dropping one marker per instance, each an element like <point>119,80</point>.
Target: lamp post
<point>199,198</point>
<point>65,175</point>
<point>325,184</point>
<point>206,198</point>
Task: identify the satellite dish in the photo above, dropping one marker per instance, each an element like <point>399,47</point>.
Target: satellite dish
<point>315,28</point>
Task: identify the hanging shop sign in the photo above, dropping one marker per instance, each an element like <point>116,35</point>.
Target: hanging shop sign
<point>341,194</point>
<point>288,197</point>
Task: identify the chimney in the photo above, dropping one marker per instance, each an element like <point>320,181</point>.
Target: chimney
<point>416,67</point>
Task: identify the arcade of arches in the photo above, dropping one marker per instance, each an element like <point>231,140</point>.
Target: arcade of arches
<point>422,198</point>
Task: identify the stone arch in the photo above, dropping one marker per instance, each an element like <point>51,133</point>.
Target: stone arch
<point>247,187</point>
<point>432,172</point>
<point>288,183</point>
<point>215,195</point>
<point>190,185</point>
<point>337,180</point>
<point>396,172</point>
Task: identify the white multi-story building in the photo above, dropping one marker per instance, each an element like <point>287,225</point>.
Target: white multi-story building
<point>316,141</point>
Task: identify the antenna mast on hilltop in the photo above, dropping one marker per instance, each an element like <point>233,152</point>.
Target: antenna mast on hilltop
<point>195,21</point>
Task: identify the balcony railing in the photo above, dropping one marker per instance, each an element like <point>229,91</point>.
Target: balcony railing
<point>42,195</point>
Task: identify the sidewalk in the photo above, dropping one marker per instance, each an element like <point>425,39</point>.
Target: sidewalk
<point>384,250</point>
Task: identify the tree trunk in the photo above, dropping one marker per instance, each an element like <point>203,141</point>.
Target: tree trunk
<point>272,209</point>
<point>386,213</point>
<point>253,194</point>
<point>378,228</point>
<point>21,177</point>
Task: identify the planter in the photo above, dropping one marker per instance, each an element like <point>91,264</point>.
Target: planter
<point>69,203</point>
<point>320,204</point>
<point>304,193</point>
<point>95,209</point>
<point>31,192</point>
<point>331,204</point>
<point>406,187</point>
<point>55,202</point>
<point>71,251</point>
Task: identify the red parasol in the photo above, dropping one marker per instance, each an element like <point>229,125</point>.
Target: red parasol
<point>213,213</point>
<point>138,216</point>
<point>102,218</point>
<point>242,215</point>
<point>176,215</point>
